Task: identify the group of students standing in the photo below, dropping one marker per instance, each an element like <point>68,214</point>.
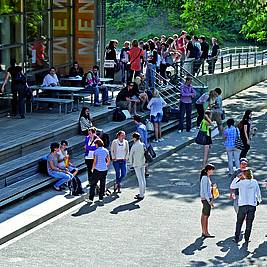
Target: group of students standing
<point>155,55</point>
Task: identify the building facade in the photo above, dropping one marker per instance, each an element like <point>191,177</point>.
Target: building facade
<point>44,33</point>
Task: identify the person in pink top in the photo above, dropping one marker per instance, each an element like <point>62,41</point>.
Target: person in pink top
<point>136,54</point>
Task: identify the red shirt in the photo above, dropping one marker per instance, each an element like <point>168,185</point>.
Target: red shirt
<point>135,59</point>
<point>181,43</point>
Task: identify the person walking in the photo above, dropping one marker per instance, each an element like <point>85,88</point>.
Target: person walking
<point>217,111</point>
<point>137,161</point>
<point>110,54</point>
<point>234,193</point>
<point>249,198</point>
<point>99,169</point>
<point>206,198</point>
<point>187,94</point>
<point>203,102</point>
<point>90,147</point>
<point>231,133</point>
<point>119,155</point>
<point>205,127</point>
<point>156,105</point>
<point>245,130</point>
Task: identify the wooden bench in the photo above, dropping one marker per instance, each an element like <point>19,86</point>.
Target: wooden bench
<point>58,101</point>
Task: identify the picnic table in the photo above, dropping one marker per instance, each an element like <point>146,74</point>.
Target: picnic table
<point>103,80</point>
<point>69,89</point>
<point>76,78</point>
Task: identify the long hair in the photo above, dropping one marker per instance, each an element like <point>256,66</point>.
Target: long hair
<point>246,115</point>
<point>207,168</point>
<point>83,114</point>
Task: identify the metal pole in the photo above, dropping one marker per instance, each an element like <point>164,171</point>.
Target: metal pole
<point>231,62</point>
<point>239,59</point>
<point>247,60</point>
<point>221,64</point>
<point>262,56</point>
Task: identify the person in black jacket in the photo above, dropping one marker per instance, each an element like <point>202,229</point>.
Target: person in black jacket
<point>76,70</point>
<point>111,55</point>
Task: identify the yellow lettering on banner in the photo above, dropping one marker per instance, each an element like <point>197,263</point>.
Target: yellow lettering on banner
<point>87,7</point>
<point>60,25</point>
<point>84,26</point>
<point>60,45</point>
<point>88,46</point>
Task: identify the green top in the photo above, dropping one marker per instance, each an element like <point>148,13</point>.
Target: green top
<point>205,127</point>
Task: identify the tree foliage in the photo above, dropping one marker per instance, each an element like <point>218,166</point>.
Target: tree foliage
<point>225,19</point>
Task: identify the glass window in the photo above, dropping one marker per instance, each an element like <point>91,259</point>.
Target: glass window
<point>36,5</point>
<point>62,22</point>
<point>11,30</point>
<point>8,53</point>
<point>57,4</point>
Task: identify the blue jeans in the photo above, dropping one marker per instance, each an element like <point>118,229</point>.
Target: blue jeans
<point>120,169</point>
<point>95,90</point>
<point>61,176</point>
<point>185,108</point>
<point>150,75</point>
<point>123,70</point>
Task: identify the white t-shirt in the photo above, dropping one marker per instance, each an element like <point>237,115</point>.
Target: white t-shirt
<point>156,105</point>
<point>120,150</point>
<point>49,80</point>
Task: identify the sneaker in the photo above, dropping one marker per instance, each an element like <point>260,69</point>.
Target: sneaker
<point>97,104</point>
<point>57,188</point>
<point>106,103</point>
<point>235,240</point>
<point>138,197</point>
<point>161,139</point>
<point>190,131</point>
<point>179,131</point>
<point>147,174</point>
<point>88,200</point>
<point>155,141</point>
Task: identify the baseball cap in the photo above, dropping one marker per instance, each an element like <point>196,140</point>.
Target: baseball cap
<point>243,160</point>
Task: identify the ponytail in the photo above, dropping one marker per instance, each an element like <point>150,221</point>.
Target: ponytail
<point>204,171</point>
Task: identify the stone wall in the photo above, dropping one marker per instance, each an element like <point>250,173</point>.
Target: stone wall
<point>235,80</point>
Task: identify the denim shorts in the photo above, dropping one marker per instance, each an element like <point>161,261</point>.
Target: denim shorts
<point>157,118</point>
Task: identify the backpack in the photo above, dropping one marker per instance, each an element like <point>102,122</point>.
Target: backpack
<point>104,137</point>
<point>75,186</point>
<point>42,165</point>
<point>196,52</point>
<point>84,79</point>
<point>118,115</point>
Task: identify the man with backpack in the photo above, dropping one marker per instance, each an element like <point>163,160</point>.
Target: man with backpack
<point>92,84</point>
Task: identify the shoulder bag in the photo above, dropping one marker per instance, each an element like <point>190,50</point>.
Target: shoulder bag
<point>238,141</point>
<point>128,66</point>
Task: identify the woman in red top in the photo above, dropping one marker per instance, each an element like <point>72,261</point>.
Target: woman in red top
<point>135,54</point>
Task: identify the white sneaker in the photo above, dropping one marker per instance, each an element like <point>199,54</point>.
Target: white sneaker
<point>161,139</point>
<point>179,131</point>
<point>87,200</point>
<point>155,141</point>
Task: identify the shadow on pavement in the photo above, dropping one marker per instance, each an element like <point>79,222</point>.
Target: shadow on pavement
<point>126,207</point>
<point>196,246</point>
<point>261,251</point>
<point>234,253</point>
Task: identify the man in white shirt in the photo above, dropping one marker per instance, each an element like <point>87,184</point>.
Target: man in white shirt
<point>51,78</point>
<point>249,198</point>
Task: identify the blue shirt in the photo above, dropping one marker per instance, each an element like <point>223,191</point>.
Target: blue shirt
<point>101,154</point>
<point>231,134</point>
<point>141,129</point>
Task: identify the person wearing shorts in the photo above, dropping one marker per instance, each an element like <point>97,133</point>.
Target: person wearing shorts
<point>206,198</point>
<point>217,111</point>
<point>156,105</point>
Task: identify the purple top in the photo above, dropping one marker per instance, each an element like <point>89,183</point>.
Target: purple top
<point>90,146</point>
<point>187,93</point>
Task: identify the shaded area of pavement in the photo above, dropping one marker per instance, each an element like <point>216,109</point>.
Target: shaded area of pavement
<point>162,230</point>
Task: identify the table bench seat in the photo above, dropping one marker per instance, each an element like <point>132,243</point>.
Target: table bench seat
<point>54,100</point>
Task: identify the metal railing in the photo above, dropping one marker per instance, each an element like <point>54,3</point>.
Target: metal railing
<point>236,50</point>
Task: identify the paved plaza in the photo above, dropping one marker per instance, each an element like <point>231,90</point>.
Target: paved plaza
<point>162,230</point>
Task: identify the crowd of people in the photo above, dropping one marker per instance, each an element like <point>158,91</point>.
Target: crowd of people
<point>155,55</point>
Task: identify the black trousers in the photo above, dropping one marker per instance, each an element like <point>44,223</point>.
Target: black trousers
<point>244,151</point>
<point>247,212</point>
<point>89,164</point>
<point>98,176</point>
<point>200,113</point>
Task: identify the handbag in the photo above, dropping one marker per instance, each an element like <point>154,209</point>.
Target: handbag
<point>215,191</point>
<point>223,115</point>
<point>147,156</point>
<point>151,151</point>
<point>149,126</point>
<point>109,64</point>
<point>238,142</point>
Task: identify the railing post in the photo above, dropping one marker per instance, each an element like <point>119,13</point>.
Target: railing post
<point>221,64</point>
<point>247,60</point>
<point>235,50</point>
<point>262,57</point>
<point>239,60</point>
<point>203,67</point>
<point>231,62</point>
<point>255,59</point>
